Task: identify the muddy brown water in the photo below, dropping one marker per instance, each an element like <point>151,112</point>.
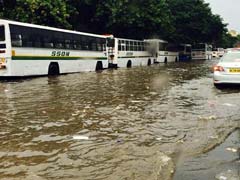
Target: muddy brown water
<point>136,123</point>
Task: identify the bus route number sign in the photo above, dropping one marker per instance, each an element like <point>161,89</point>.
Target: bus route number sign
<point>60,53</point>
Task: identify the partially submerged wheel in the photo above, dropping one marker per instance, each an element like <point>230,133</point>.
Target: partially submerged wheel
<point>99,66</point>
<point>53,69</point>
<point>129,64</point>
<point>165,60</point>
<point>149,62</point>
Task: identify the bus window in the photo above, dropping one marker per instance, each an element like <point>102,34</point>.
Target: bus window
<point>37,42</point>
<point>16,40</point>
<point>26,39</point>
<point>127,46</point>
<point>131,46</point>
<point>119,47</point>
<point>162,46</point>
<point>135,47</point>
<point>93,46</point>
<point>47,42</point>
<point>99,47</point>
<point>67,44</point>
<point>2,33</point>
<point>79,45</point>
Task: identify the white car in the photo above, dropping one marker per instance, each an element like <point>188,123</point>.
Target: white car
<point>227,71</point>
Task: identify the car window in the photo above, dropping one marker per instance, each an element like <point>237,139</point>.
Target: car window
<point>231,57</point>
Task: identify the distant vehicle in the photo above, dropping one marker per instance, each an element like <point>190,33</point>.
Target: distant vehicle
<point>128,52</point>
<point>202,51</point>
<point>185,52</point>
<point>215,53</point>
<point>33,50</point>
<point>163,51</point>
<point>227,71</point>
<point>220,51</point>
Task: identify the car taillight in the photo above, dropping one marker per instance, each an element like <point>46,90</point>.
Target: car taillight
<point>218,68</point>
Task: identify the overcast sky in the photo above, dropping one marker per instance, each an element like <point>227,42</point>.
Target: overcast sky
<point>229,10</point>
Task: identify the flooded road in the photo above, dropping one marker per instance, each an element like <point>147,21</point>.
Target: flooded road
<point>139,123</point>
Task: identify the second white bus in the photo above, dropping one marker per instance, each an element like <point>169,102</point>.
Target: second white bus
<point>128,53</point>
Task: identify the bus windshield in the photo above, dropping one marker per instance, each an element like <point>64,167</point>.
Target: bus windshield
<point>110,42</point>
<point>2,33</point>
<point>188,49</point>
<point>199,46</point>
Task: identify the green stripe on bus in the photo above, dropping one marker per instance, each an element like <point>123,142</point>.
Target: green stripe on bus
<point>55,58</point>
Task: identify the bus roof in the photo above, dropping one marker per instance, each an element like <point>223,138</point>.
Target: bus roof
<point>48,28</point>
<point>185,44</point>
<point>125,39</point>
<point>156,40</point>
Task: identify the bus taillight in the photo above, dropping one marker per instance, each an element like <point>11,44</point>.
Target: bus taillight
<point>2,51</point>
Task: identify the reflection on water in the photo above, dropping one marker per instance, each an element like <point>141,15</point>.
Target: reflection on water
<point>118,124</point>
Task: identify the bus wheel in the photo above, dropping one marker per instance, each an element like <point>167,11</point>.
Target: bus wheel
<point>165,60</point>
<point>53,69</point>
<point>129,64</point>
<point>176,59</point>
<point>149,62</point>
<point>99,66</point>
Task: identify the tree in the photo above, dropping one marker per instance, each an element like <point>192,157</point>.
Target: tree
<point>45,12</point>
<point>194,22</point>
<point>124,18</point>
<point>137,19</point>
<point>181,21</point>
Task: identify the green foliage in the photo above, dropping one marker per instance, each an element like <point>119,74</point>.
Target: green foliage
<point>124,18</point>
<point>183,21</point>
<point>45,12</point>
<point>194,22</point>
<point>136,18</point>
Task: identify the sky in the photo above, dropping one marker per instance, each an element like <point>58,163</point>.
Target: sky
<point>229,10</point>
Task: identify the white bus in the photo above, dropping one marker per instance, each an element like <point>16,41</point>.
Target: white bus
<point>33,50</point>
<point>128,53</point>
<point>163,51</point>
<point>202,51</point>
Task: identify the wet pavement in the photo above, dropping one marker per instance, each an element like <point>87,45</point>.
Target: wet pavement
<point>157,122</point>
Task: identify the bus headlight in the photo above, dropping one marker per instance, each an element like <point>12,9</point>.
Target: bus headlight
<point>3,60</point>
<point>2,63</point>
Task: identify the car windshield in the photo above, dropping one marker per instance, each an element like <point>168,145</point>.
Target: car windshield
<point>231,57</point>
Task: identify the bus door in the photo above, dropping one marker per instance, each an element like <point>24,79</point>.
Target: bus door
<point>3,46</point>
<point>111,52</point>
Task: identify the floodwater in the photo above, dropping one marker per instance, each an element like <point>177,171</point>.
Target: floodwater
<point>126,124</point>
<point>223,162</point>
